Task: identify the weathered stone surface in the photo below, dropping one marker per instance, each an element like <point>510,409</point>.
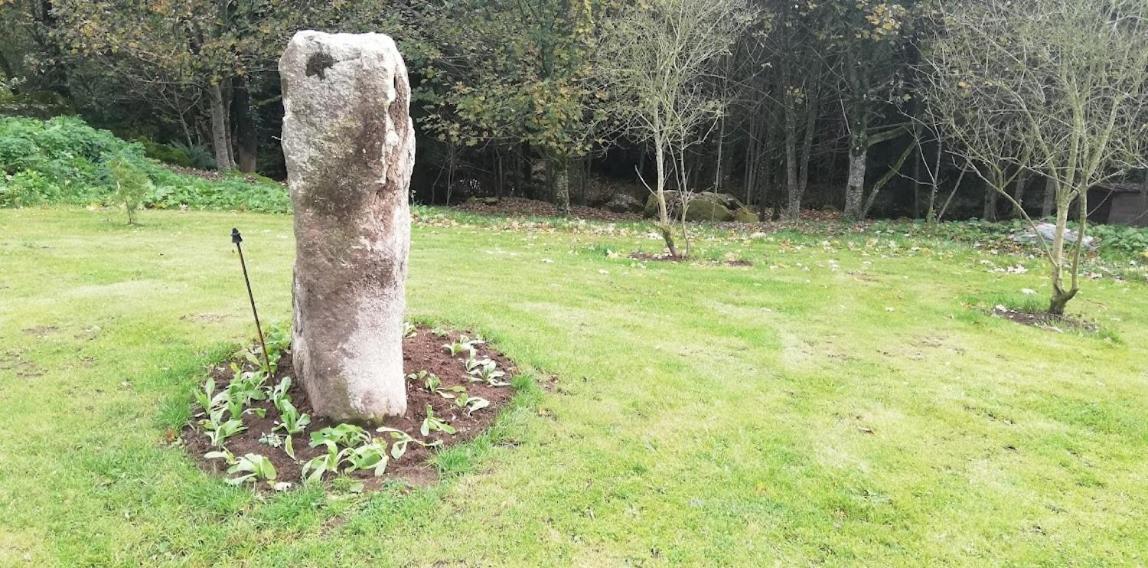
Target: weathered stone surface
<point>745,215</point>
<point>349,145</point>
<point>703,206</point>
<point>1047,232</point>
<point>623,203</point>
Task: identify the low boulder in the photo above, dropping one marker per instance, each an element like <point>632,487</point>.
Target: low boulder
<point>745,215</point>
<point>703,206</point>
<point>1047,232</point>
<point>623,203</point>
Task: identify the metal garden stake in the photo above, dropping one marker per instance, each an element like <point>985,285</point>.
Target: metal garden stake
<point>238,240</point>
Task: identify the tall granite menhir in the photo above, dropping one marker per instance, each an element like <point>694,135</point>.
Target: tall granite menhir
<point>350,146</point>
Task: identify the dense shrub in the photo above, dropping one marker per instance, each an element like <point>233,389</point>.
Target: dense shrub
<point>179,154</point>
<point>1115,241</point>
<point>1123,240</point>
<point>63,160</point>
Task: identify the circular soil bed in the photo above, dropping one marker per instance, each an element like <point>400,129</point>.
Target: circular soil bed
<point>423,350</point>
<point>1045,320</point>
<point>667,257</point>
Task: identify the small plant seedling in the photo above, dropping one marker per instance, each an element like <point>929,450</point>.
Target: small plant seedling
<point>409,329</point>
<point>289,447</point>
<point>345,435</point>
<point>463,345</point>
<point>452,393</point>
<point>244,388</point>
<point>254,468</point>
<point>207,398</point>
<point>219,430</point>
<point>316,467</point>
<point>222,454</point>
<point>278,393</point>
<point>431,381</point>
<point>372,455</point>
<point>433,423</point>
<point>278,341</point>
<point>271,439</point>
<point>131,184</point>
<point>471,403</point>
<point>400,440</point>
<point>486,371</point>
<point>290,419</point>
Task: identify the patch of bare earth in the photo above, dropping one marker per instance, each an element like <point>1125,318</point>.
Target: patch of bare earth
<point>1045,320</point>
<point>519,207</point>
<point>667,257</point>
<point>421,352</point>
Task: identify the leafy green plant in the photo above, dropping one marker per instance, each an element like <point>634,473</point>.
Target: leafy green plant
<point>372,455</point>
<point>322,464</point>
<point>252,467</point>
<point>471,403</point>
<point>271,439</point>
<point>400,440</point>
<point>278,394</point>
<point>430,381</point>
<point>433,423</point>
<point>245,387</point>
<point>345,435</point>
<point>131,185</point>
<point>219,430</point>
<point>409,329</point>
<point>291,420</point>
<point>222,454</point>
<point>433,384</point>
<point>278,341</point>
<point>207,398</point>
<point>463,345</point>
<point>486,371</point>
<point>195,156</point>
<point>63,160</point>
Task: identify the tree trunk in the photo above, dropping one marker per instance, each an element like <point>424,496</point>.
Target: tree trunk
<point>219,136</point>
<point>718,182</point>
<point>527,171</point>
<point>246,137</point>
<point>793,196</point>
<point>664,225</point>
<point>1060,296</point>
<point>561,178</point>
<point>855,188</point>
<point>1018,194</point>
<point>935,182</point>
<point>1049,202</point>
<point>349,145</point>
<point>990,209</point>
<point>499,187</point>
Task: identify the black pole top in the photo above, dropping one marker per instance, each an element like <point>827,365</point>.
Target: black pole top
<point>235,236</point>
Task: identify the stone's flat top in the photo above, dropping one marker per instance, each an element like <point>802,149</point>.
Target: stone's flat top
<point>365,42</point>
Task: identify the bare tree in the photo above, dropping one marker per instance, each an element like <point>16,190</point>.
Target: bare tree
<point>1057,87</point>
<point>656,60</point>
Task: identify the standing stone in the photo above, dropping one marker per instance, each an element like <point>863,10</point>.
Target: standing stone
<point>349,145</point>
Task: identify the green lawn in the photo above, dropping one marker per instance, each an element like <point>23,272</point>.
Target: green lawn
<point>843,402</point>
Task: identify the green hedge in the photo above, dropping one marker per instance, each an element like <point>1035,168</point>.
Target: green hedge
<point>64,161</point>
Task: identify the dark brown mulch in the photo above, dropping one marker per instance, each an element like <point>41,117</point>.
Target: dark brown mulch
<point>519,207</point>
<point>423,351</point>
<point>661,257</point>
<point>1045,320</point>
